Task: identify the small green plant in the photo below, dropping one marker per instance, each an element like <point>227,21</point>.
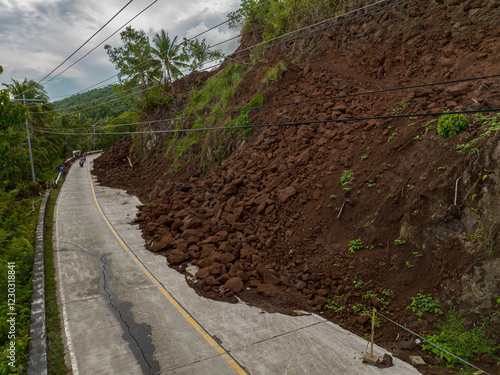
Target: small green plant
<point>401,240</point>
<point>418,138</point>
<point>449,125</point>
<point>381,176</point>
<point>336,265</point>
<point>355,245</point>
<point>347,176</point>
<point>367,225</point>
<point>333,305</point>
<point>373,184</point>
<point>444,167</point>
<point>347,188</point>
<point>381,264</point>
<point>392,136</point>
<point>364,157</point>
<point>416,254</point>
<point>333,196</point>
<point>409,265</point>
<point>357,308</point>
<point>473,151</point>
<point>390,195</point>
<point>386,292</point>
<point>414,213</point>
<point>391,165</point>
<point>329,205</point>
<point>399,108</point>
<point>424,303</point>
<point>358,284</point>
<point>465,344</point>
<point>369,294</point>
<point>410,187</point>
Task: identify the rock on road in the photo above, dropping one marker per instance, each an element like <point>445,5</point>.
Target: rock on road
<point>126,312</point>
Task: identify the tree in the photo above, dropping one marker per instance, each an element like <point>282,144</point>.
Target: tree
<point>198,53</point>
<point>1,69</point>
<point>14,157</point>
<point>134,59</point>
<point>40,112</point>
<point>170,56</point>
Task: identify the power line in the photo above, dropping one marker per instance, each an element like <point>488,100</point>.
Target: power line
<point>320,99</point>
<point>297,123</point>
<point>236,110</point>
<point>100,44</point>
<point>299,36</point>
<point>430,342</point>
<point>116,75</point>
<point>88,40</point>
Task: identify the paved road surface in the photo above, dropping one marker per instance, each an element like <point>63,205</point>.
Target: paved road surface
<point>126,312</point>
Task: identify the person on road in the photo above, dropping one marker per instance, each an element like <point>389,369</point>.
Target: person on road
<point>81,162</point>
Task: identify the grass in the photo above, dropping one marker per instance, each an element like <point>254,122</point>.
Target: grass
<point>55,355</point>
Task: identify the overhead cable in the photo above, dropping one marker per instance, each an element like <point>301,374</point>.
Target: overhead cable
<point>299,36</point>
<point>100,44</point>
<point>296,123</point>
<point>88,40</point>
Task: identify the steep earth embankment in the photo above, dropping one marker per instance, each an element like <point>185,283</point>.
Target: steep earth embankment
<point>274,225</point>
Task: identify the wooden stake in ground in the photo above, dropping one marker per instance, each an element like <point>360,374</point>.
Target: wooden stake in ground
<point>370,358</point>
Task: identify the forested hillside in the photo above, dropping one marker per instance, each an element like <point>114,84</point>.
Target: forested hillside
<point>90,103</point>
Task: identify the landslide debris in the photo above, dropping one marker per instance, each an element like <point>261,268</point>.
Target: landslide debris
<point>335,216</point>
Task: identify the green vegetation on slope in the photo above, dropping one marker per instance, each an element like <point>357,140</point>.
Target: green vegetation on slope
<point>17,238</point>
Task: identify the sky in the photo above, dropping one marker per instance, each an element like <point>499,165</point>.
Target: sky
<point>37,35</point>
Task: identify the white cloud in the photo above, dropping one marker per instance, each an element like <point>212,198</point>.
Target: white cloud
<point>37,35</point>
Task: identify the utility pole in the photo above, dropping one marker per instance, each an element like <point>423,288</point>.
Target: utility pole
<point>94,139</point>
<point>28,131</point>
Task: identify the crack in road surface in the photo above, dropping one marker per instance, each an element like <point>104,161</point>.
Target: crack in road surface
<point>138,336</point>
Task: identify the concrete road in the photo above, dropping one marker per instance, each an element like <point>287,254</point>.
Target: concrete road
<point>126,312</point>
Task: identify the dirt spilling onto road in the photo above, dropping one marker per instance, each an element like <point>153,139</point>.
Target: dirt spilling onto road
<point>348,215</point>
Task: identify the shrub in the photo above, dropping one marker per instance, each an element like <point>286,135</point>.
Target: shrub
<point>453,337</point>
<point>449,125</point>
<point>355,245</point>
<point>424,303</point>
<point>347,176</point>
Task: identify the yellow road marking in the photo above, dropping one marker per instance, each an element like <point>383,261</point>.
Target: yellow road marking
<point>169,297</point>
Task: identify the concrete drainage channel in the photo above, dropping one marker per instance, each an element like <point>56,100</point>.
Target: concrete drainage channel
<point>37,357</point>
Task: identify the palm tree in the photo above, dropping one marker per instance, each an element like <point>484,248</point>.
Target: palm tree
<point>40,112</point>
<point>170,55</point>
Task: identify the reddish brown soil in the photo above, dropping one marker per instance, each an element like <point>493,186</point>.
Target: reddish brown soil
<point>272,224</point>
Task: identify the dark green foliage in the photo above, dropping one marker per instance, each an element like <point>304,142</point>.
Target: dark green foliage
<point>424,303</point>
<point>134,59</point>
<point>449,125</point>
<point>279,17</point>
<point>17,236</point>
<point>99,104</point>
<point>197,53</point>
<point>453,337</point>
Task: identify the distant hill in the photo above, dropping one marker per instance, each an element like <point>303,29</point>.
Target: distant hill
<point>114,103</point>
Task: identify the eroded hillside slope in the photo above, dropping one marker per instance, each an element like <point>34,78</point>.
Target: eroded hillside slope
<point>338,216</point>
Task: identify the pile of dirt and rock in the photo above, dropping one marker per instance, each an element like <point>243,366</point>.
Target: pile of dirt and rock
<point>332,216</point>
